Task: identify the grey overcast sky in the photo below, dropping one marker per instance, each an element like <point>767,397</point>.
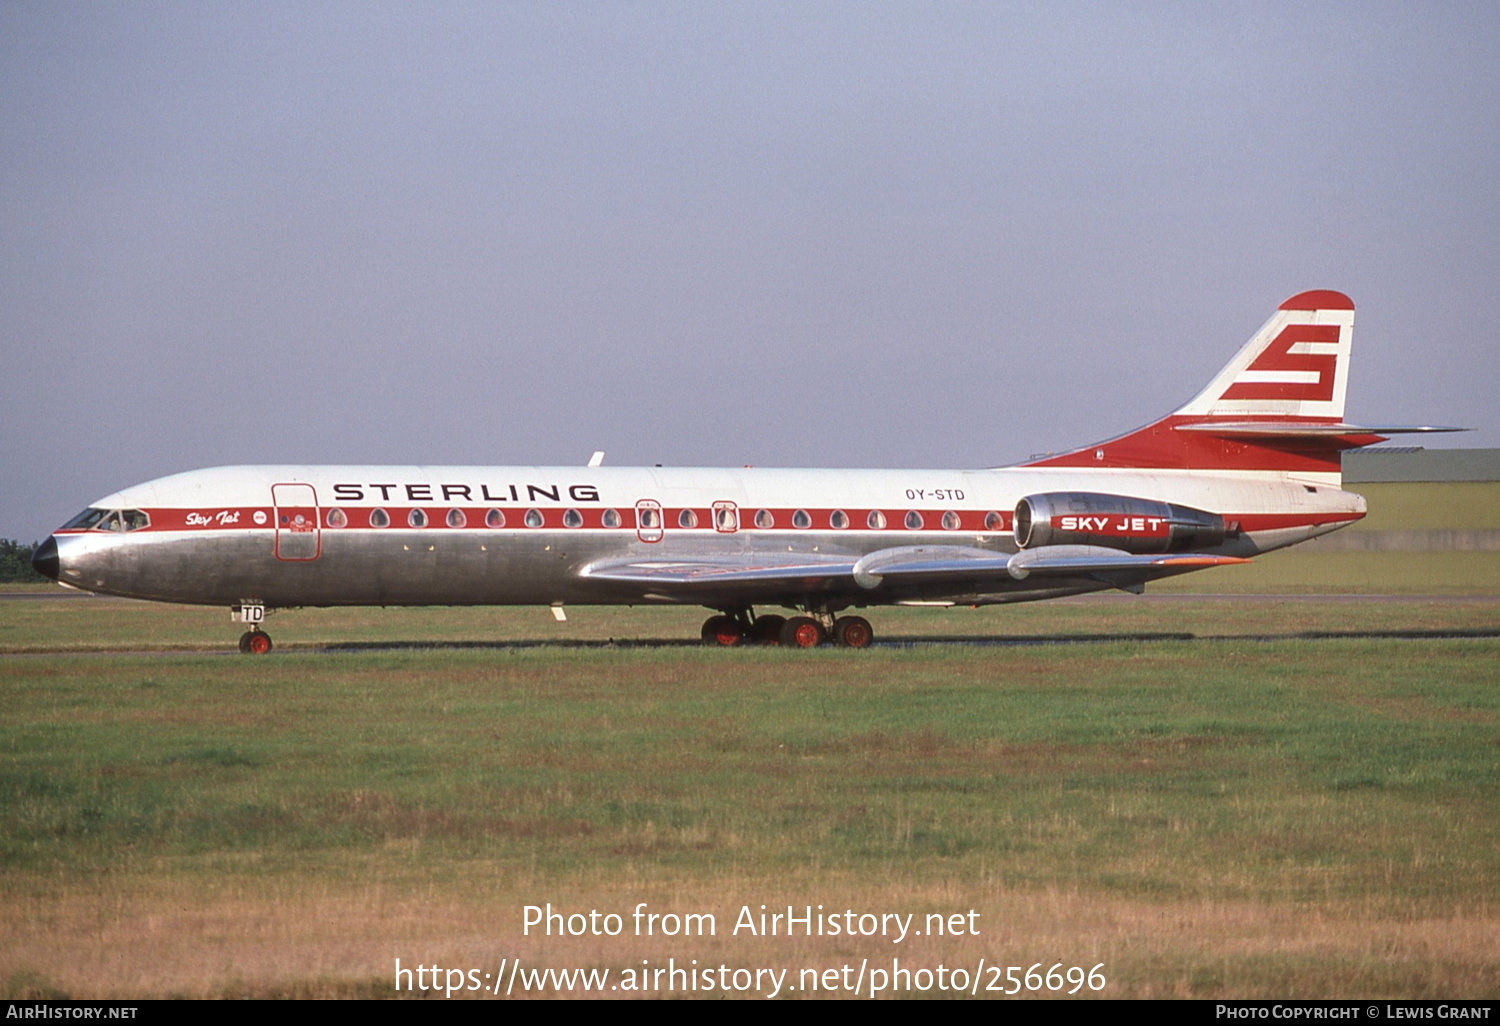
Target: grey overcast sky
<point>799,234</point>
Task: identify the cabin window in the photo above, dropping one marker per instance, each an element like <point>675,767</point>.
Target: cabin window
<point>416,518</point>
<point>456,518</point>
<point>379,518</point>
<point>951,521</point>
<point>336,518</point>
<point>533,518</point>
<point>838,520</point>
<point>801,520</point>
<point>572,518</point>
<point>687,519</point>
<point>913,520</point>
<point>494,518</point>
<point>726,518</point>
<point>648,518</point>
<point>994,521</point>
<point>611,518</point>
<point>765,519</point>
<point>875,521</point>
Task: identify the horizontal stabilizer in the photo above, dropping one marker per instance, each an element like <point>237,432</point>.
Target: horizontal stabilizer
<point>1306,429</point>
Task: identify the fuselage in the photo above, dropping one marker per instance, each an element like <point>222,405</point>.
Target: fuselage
<point>427,535</point>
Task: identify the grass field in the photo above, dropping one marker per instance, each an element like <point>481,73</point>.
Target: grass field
<point>1302,572</point>
<point>1441,505</point>
<point>1205,814</point>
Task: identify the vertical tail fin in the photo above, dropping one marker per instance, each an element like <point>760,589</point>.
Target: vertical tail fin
<point>1295,367</point>
<point>1277,406</point>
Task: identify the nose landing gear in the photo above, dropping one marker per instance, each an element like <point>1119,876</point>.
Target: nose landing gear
<point>255,642</point>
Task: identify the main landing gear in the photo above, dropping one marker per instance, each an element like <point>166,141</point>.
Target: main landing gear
<point>742,626</point>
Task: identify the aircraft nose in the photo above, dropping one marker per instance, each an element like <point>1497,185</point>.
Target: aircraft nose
<point>44,560</point>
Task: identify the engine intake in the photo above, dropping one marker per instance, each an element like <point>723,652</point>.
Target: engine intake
<point>1116,521</point>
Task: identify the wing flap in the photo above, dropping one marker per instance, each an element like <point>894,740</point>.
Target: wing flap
<point>1073,560</point>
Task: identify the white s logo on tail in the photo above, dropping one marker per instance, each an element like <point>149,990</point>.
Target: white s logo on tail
<point>1297,365</point>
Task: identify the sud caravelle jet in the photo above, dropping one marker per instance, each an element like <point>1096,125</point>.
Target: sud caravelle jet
<point>1249,465</point>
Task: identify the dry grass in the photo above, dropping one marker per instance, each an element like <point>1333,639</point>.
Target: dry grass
<point>250,936</point>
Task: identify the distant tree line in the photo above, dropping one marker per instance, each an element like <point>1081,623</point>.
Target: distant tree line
<point>15,562</point>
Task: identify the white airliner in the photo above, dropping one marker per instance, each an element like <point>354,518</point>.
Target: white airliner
<point>1249,465</point>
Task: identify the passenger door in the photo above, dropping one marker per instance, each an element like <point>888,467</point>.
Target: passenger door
<point>726,517</point>
<point>299,535</point>
<point>648,523</point>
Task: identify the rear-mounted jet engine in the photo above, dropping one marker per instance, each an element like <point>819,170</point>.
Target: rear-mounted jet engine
<point>1116,521</point>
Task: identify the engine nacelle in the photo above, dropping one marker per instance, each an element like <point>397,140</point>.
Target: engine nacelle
<point>1115,521</point>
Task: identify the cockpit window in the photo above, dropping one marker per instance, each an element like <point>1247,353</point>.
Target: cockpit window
<point>85,520</point>
<point>108,520</point>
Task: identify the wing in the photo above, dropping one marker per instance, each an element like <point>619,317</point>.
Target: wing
<point>957,564</point>
<point>903,573</point>
<point>737,579</point>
